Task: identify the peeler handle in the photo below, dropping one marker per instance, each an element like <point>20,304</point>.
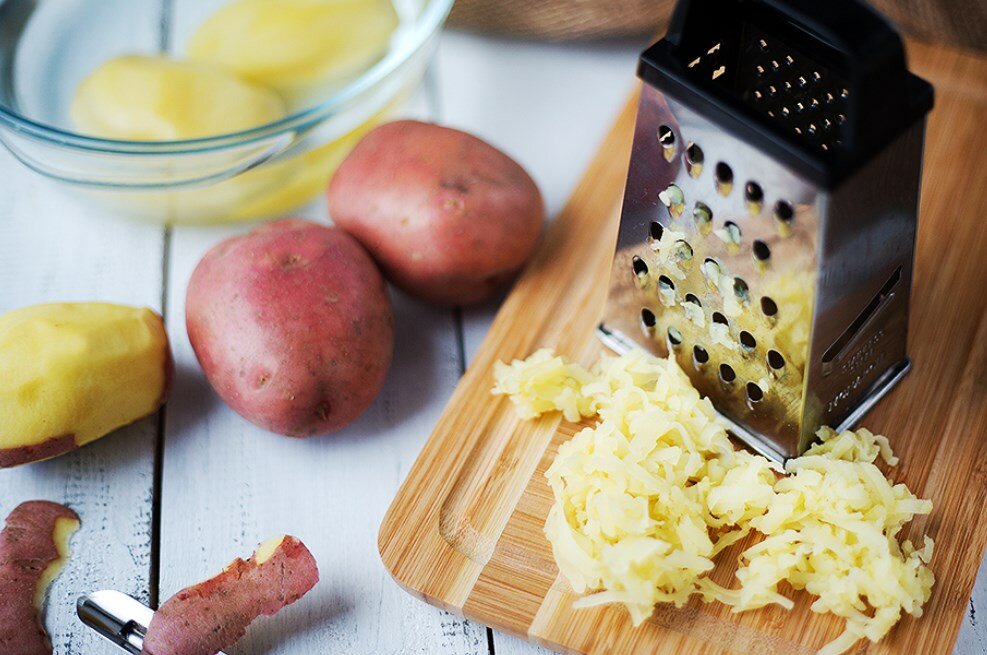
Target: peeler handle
<point>864,44</point>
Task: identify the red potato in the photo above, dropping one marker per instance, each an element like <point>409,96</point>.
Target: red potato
<point>33,548</point>
<point>292,325</point>
<point>448,217</point>
<point>214,614</point>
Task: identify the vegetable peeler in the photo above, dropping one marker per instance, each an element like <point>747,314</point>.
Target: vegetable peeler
<point>118,617</point>
<point>767,233</point>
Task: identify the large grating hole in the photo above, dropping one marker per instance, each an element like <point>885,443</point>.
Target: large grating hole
<point>720,318</point>
<point>699,356</point>
<point>703,217</point>
<point>754,393</point>
<point>656,230</point>
<point>760,250</point>
<point>674,337</point>
<point>747,340</point>
<point>724,178</point>
<point>648,318</point>
<point>694,160</point>
<point>775,360</point>
<point>768,306</point>
<point>727,374</point>
<point>666,138</point>
<point>640,268</point>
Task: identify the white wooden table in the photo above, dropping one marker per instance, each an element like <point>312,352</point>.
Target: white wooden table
<point>173,498</point>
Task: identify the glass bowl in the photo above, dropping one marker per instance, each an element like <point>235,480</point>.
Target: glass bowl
<point>48,46</point>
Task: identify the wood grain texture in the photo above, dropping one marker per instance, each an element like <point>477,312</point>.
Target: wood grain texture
<point>465,530</point>
<point>56,247</point>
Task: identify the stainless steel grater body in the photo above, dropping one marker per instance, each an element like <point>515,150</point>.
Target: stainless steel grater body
<point>781,292</point>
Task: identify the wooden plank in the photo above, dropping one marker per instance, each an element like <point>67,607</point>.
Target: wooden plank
<point>475,473</point>
<point>56,246</point>
<point>229,485</point>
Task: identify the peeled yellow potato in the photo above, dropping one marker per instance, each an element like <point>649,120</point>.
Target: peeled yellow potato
<point>71,373</point>
<point>143,98</point>
<point>292,45</point>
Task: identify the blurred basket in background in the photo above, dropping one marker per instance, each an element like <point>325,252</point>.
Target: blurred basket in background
<point>956,22</point>
<point>562,19</point>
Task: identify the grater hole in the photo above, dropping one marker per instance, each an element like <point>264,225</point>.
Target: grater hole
<point>754,197</point>
<point>694,159</point>
<point>776,360</point>
<point>703,217</point>
<point>784,211</point>
<point>760,250</point>
<point>683,250</point>
<point>674,337</point>
<point>712,271</point>
<point>724,178</point>
<point>640,268</point>
<point>720,318</point>
<point>666,283</point>
<point>754,393</point>
<point>656,230</point>
<point>747,340</point>
<point>691,297</point>
<point>727,374</point>
<point>648,318</point>
<point>699,356</point>
<point>730,235</point>
<point>741,290</point>
<point>768,306</point>
<point>666,138</point>
<point>674,199</point>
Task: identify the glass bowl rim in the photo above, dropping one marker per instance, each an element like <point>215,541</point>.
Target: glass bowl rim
<point>430,20</point>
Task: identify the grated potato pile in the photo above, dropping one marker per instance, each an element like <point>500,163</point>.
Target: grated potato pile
<point>646,498</point>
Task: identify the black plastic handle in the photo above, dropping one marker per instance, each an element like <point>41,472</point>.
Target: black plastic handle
<point>869,51</point>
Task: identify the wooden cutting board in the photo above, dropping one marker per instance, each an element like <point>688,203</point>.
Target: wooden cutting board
<point>465,531</point>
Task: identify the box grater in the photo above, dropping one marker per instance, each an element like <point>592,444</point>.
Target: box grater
<point>768,226</point>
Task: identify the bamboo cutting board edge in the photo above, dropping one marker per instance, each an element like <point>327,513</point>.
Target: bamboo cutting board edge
<point>464,532</point>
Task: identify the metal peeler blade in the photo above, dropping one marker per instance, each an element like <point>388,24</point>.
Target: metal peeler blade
<point>118,617</point>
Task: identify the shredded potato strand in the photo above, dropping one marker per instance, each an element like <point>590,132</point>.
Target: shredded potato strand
<point>646,498</point>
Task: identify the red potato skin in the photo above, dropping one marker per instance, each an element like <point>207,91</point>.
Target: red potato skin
<point>26,551</point>
<point>214,615</point>
<point>448,217</point>
<point>292,325</point>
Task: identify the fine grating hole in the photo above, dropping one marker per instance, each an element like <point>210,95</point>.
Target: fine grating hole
<point>760,250</point>
<point>724,178</point>
<point>768,306</point>
<point>720,318</point>
<point>784,211</point>
<point>656,231</point>
<point>703,217</point>
<point>754,393</point>
<point>640,268</point>
<point>666,138</point>
<point>694,160</point>
<point>727,374</point>
<point>775,360</point>
<point>648,318</point>
<point>699,355</point>
<point>747,340</point>
<point>666,283</point>
<point>674,336</point>
<point>691,297</point>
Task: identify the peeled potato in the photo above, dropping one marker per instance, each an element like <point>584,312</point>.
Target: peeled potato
<point>71,373</point>
<point>292,45</point>
<point>142,98</point>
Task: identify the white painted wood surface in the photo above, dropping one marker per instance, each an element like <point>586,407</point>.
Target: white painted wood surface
<point>227,485</point>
